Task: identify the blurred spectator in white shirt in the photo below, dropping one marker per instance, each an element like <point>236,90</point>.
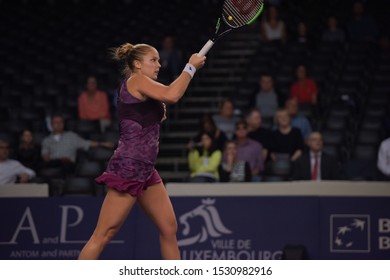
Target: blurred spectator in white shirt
<point>12,171</point>
<point>383,163</point>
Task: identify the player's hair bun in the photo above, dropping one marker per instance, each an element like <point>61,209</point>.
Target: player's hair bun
<point>123,51</point>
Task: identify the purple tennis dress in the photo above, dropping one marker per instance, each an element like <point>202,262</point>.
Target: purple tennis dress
<point>131,168</point>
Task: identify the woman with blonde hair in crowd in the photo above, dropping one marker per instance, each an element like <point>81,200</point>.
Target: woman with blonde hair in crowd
<point>288,140</point>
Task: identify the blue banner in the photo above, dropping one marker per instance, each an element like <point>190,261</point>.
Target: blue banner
<point>355,228</point>
<point>56,228</point>
<point>245,227</point>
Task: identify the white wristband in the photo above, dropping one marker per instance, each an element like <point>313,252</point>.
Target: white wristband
<point>190,69</point>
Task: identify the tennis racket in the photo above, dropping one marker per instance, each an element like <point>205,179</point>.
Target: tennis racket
<point>235,14</point>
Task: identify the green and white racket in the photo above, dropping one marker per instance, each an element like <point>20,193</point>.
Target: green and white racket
<point>235,14</point>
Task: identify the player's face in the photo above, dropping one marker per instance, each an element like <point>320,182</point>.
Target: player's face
<point>150,65</point>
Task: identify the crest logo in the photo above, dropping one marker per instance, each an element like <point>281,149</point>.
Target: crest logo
<point>211,226</point>
<point>350,233</point>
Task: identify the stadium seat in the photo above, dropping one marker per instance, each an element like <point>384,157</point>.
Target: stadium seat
<point>100,154</point>
<point>51,172</point>
<point>360,169</point>
<point>370,137</point>
<point>372,123</point>
<point>280,168</point>
<point>78,186</point>
<point>86,128</point>
<point>364,152</point>
<point>332,137</point>
<point>90,169</point>
<point>336,123</point>
<point>332,150</point>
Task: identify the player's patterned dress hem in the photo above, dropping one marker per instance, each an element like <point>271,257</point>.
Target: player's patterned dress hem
<point>134,188</point>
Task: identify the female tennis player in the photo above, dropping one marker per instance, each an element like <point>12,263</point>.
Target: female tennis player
<point>130,175</point>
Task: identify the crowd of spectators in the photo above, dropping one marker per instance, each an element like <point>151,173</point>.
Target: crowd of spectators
<point>280,123</point>
<point>57,153</point>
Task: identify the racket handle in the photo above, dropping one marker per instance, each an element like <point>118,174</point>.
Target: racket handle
<point>206,48</point>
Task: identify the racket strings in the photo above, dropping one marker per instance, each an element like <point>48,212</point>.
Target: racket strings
<point>237,13</point>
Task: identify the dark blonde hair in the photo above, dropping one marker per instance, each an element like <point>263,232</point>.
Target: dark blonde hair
<point>278,112</point>
<point>128,53</point>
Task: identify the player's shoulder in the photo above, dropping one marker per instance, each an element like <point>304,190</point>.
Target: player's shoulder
<point>137,78</point>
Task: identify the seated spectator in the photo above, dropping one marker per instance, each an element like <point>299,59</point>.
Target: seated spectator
<point>258,133</point>
<point>249,150</point>
<point>266,99</point>
<point>207,125</point>
<point>316,164</point>
<point>333,34</point>
<point>225,120</point>
<point>12,171</point>
<point>302,33</point>
<point>28,152</point>
<point>59,149</point>
<point>361,27</point>
<point>93,104</point>
<point>297,120</point>
<point>273,29</point>
<point>383,161</point>
<point>232,169</point>
<point>304,89</point>
<point>170,60</point>
<point>204,160</point>
<point>288,141</point>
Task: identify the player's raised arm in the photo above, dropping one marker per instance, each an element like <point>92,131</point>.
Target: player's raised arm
<point>172,93</point>
<point>141,70</point>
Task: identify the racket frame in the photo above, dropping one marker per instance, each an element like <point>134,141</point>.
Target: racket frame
<point>210,42</point>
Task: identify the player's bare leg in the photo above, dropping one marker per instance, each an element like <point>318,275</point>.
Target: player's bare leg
<point>157,205</point>
<point>115,209</point>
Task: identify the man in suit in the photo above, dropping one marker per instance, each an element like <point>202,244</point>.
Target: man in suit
<point>315,164</point>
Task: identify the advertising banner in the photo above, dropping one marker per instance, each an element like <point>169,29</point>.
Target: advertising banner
<point>56,228</point>
<point>355,228</point>
<point>218,227</point>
